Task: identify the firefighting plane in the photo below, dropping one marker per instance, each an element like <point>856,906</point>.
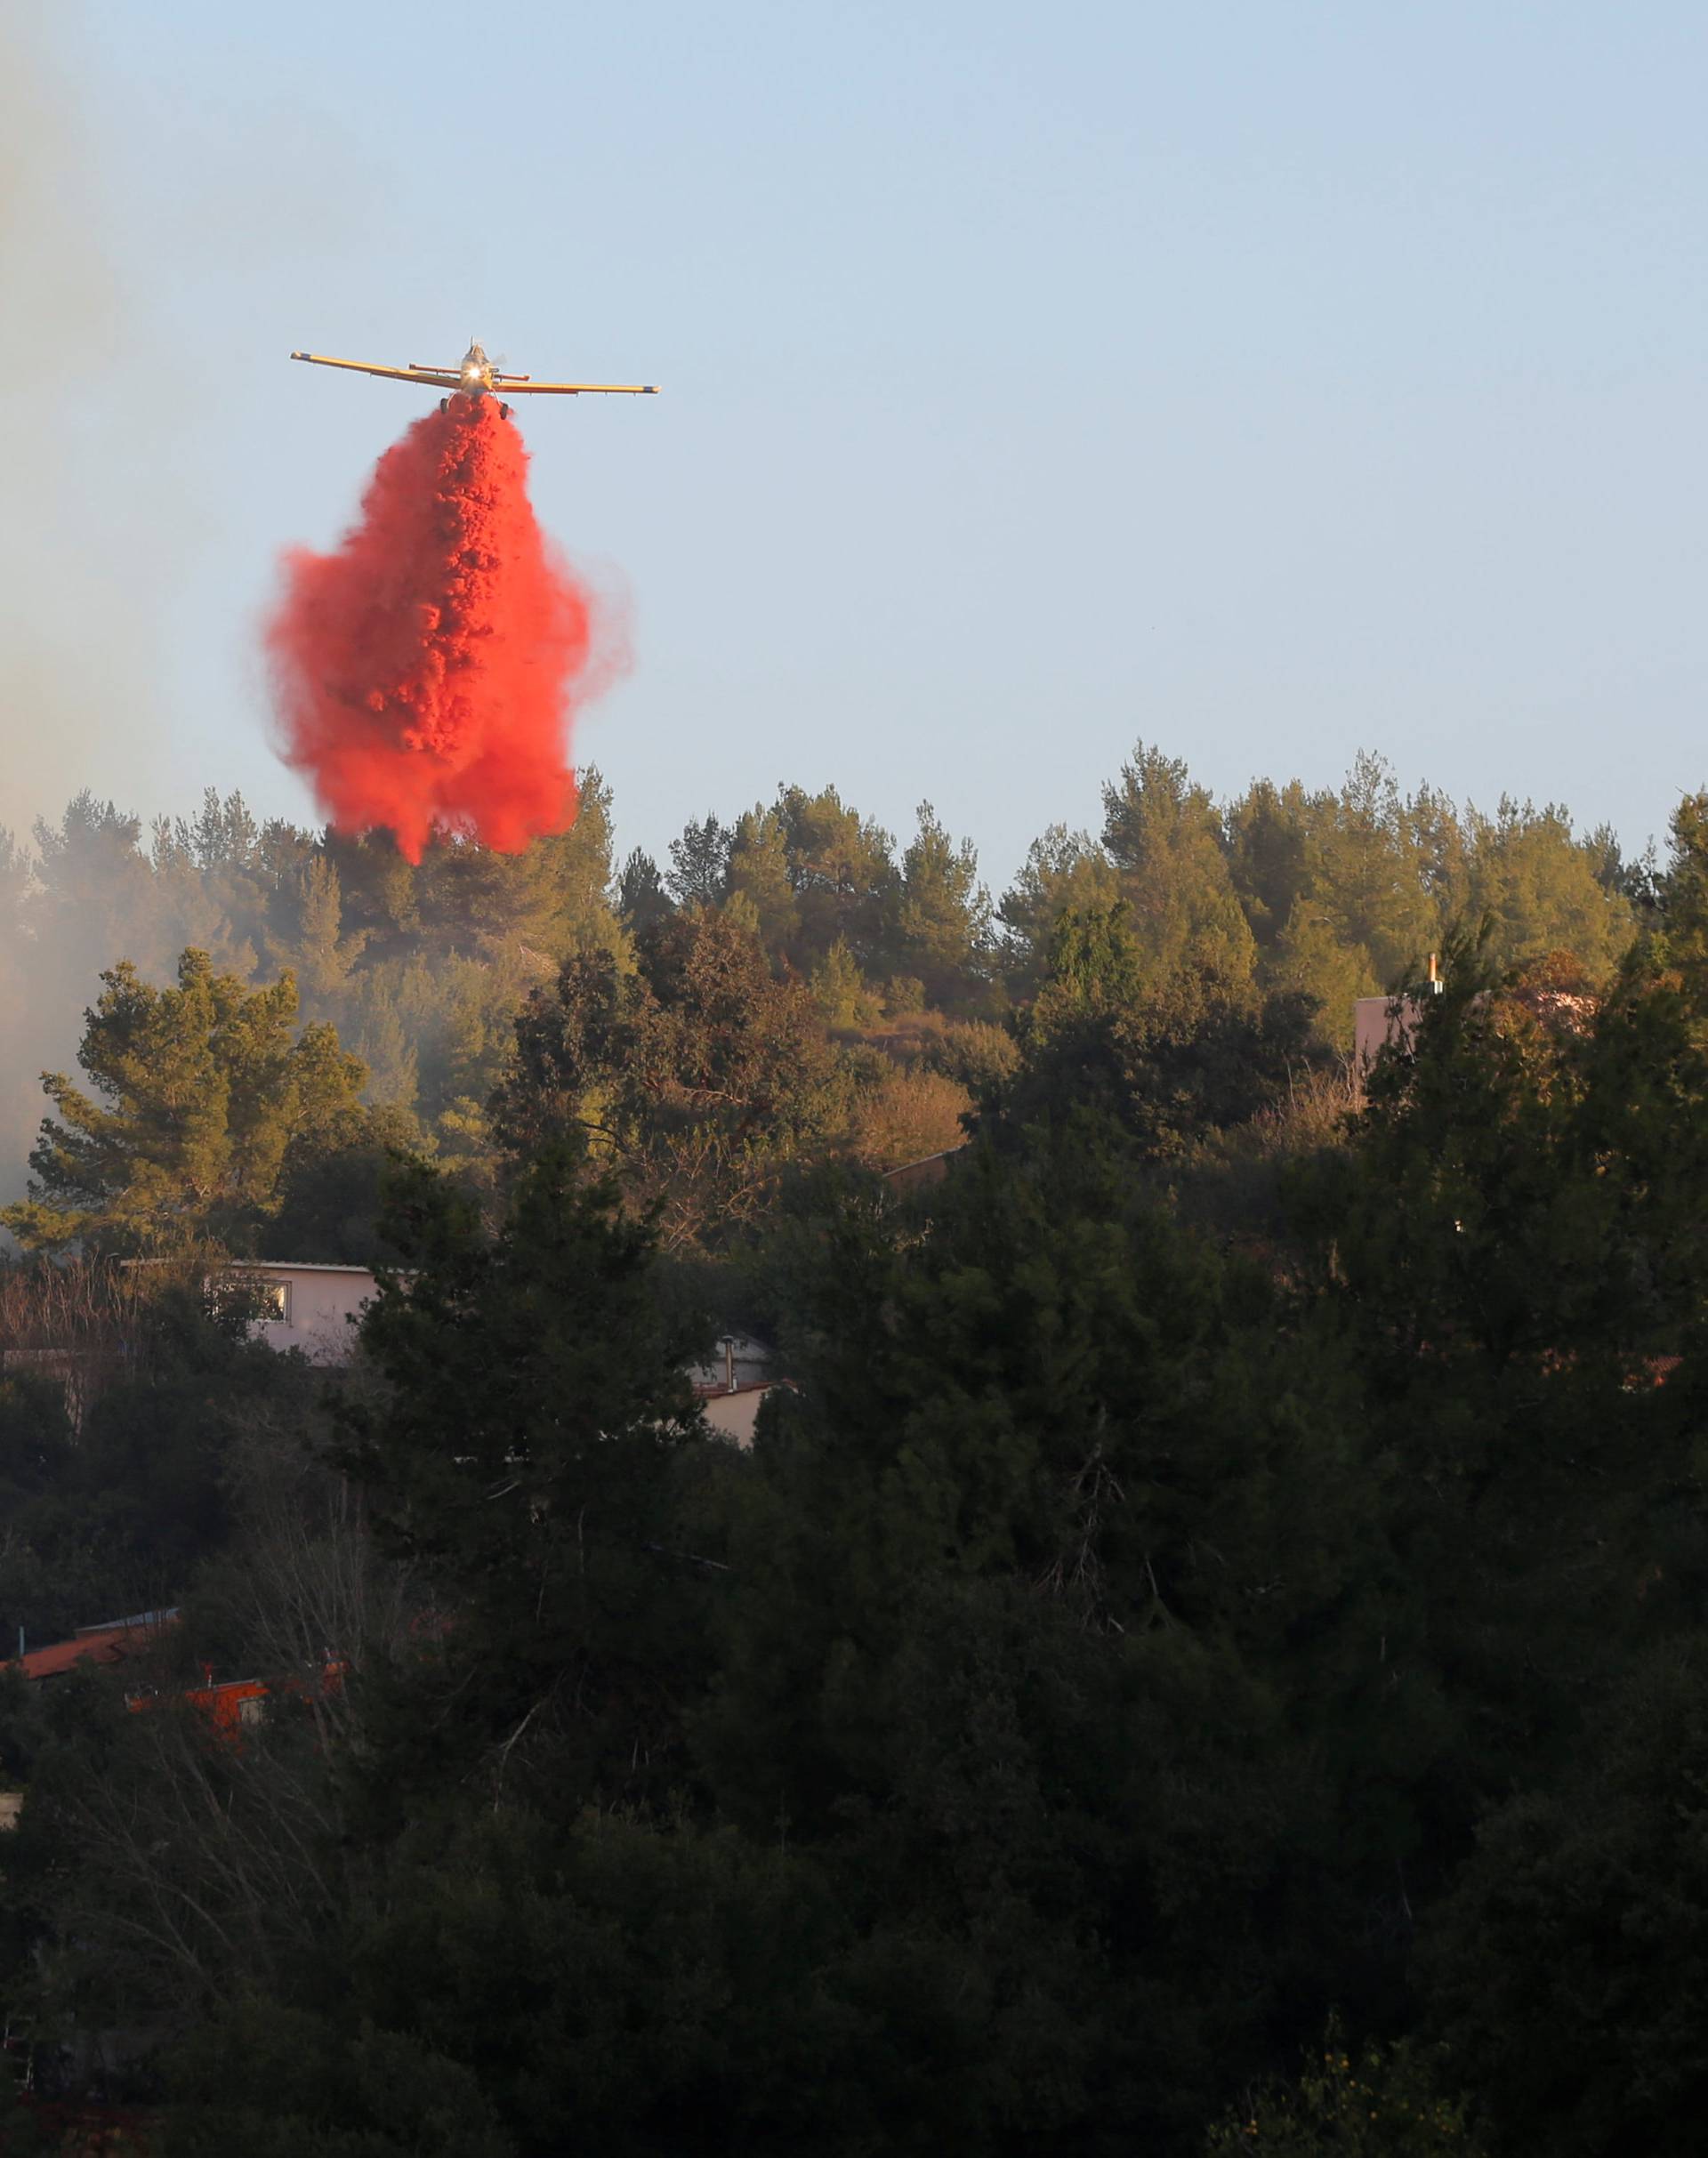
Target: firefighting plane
<point>475,376</point>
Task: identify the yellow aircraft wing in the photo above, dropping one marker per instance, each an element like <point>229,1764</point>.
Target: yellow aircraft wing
<point>449,379</point>
<point>509,387</point>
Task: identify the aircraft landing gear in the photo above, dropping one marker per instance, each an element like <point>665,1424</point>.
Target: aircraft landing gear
<point>444,404</point>
<point>504,412</point>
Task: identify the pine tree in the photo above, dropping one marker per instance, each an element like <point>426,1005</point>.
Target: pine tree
<point>1163,836</point>
<point>699,864</point>
<point>519,1461</point>
<point>698,1078</point>
<point>760,882</point>
<point>843,873</point>
<point>942,932</point>
<point>201,1099</point>
<point>1063,870</point>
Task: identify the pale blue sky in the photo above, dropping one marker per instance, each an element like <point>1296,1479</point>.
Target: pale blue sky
<point>1267,380</point>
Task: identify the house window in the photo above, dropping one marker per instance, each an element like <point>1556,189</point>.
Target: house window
<point>275,1302</point>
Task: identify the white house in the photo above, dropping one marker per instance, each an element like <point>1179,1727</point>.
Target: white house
<point>314,1307</point>
<point>309,1306</point>
<point>732,1386</point>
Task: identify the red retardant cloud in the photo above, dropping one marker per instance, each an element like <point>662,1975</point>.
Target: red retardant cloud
<point>425,671</point>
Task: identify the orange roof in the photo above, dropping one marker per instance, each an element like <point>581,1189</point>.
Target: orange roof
<point>101,1644</point>
<point>110,1647</point>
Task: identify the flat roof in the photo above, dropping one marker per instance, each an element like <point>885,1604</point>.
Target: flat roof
<point>260,1266</point>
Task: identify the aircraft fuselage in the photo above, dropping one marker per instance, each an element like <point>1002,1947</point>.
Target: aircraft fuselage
<point>475,374</point>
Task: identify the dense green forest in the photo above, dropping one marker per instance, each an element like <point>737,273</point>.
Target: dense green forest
<point>1207,1652</point>
<point>911,970</point>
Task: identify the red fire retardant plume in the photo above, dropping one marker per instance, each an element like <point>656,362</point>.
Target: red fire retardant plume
<point>426,670</point>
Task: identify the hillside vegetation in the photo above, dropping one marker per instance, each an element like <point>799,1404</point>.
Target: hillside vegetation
<point>1206,1651</point>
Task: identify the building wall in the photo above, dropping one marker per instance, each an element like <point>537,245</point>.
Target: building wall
<point>1378,1021</point>
<point>321,1305</point>
<point>734,1415</point>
